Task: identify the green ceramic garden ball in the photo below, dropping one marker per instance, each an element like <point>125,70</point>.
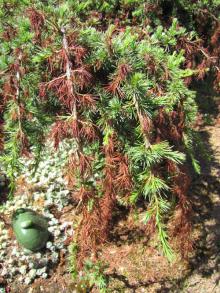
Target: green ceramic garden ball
<point>30,229</point>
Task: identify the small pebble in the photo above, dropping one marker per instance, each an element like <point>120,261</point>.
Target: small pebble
<point>27,280</point>
<point>31,265</point>
<point>41,271</point>
<point>49,244</point>
<point>57,233</point>
<point>44,275</point>
<point>54,257</point>
<point>38,255</point>
<point>32,274</point>
<point>23,269</point>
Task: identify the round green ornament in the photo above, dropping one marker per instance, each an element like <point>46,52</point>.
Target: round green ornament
<point>30,229</point>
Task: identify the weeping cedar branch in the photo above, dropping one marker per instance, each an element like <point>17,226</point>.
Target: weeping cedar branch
<point>118,88</point>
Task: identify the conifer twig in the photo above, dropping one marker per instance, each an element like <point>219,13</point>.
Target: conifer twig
<point>68,76</point>
<point>141,117</point>
<point>68,71</point>
<point>17,94</point>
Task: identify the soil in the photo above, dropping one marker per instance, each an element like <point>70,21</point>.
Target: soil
<point>205,275</point>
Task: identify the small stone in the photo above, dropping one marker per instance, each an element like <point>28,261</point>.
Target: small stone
<point>3,253</point>
<point>53,248</point>
<point>51,229</point>
<point>20,202</point>
<point>10,260</point>
<point>14,271</point>
<point>23,269</point>
<point>11,209</point>
<point>41,271</point>
<point>57,233</point>
<point>5,232</point>
<point>14,251</point>
<point>59,245</point>
<point>32,274</point>
<point>31,265</point>
<point>23,257</point>
<point>27,281</point>
<point>38,255</point>
<point>64,225</point>
<point>54,257</point>
<point>51,223</point>
<point>4,272</point>
<point>4,245</point>
<point>55,221</point>
<point>48,203</point>
<point>49,244</point>
<point>44,275</point>
<point>20,279</point>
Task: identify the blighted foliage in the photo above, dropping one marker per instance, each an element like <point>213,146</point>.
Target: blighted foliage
<point>109,75</point>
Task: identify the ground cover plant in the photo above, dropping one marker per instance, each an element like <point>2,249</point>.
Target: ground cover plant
<point>40,189</point>
<point>112,76</point>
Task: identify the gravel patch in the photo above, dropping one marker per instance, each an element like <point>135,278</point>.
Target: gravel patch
<point>39,188</point>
